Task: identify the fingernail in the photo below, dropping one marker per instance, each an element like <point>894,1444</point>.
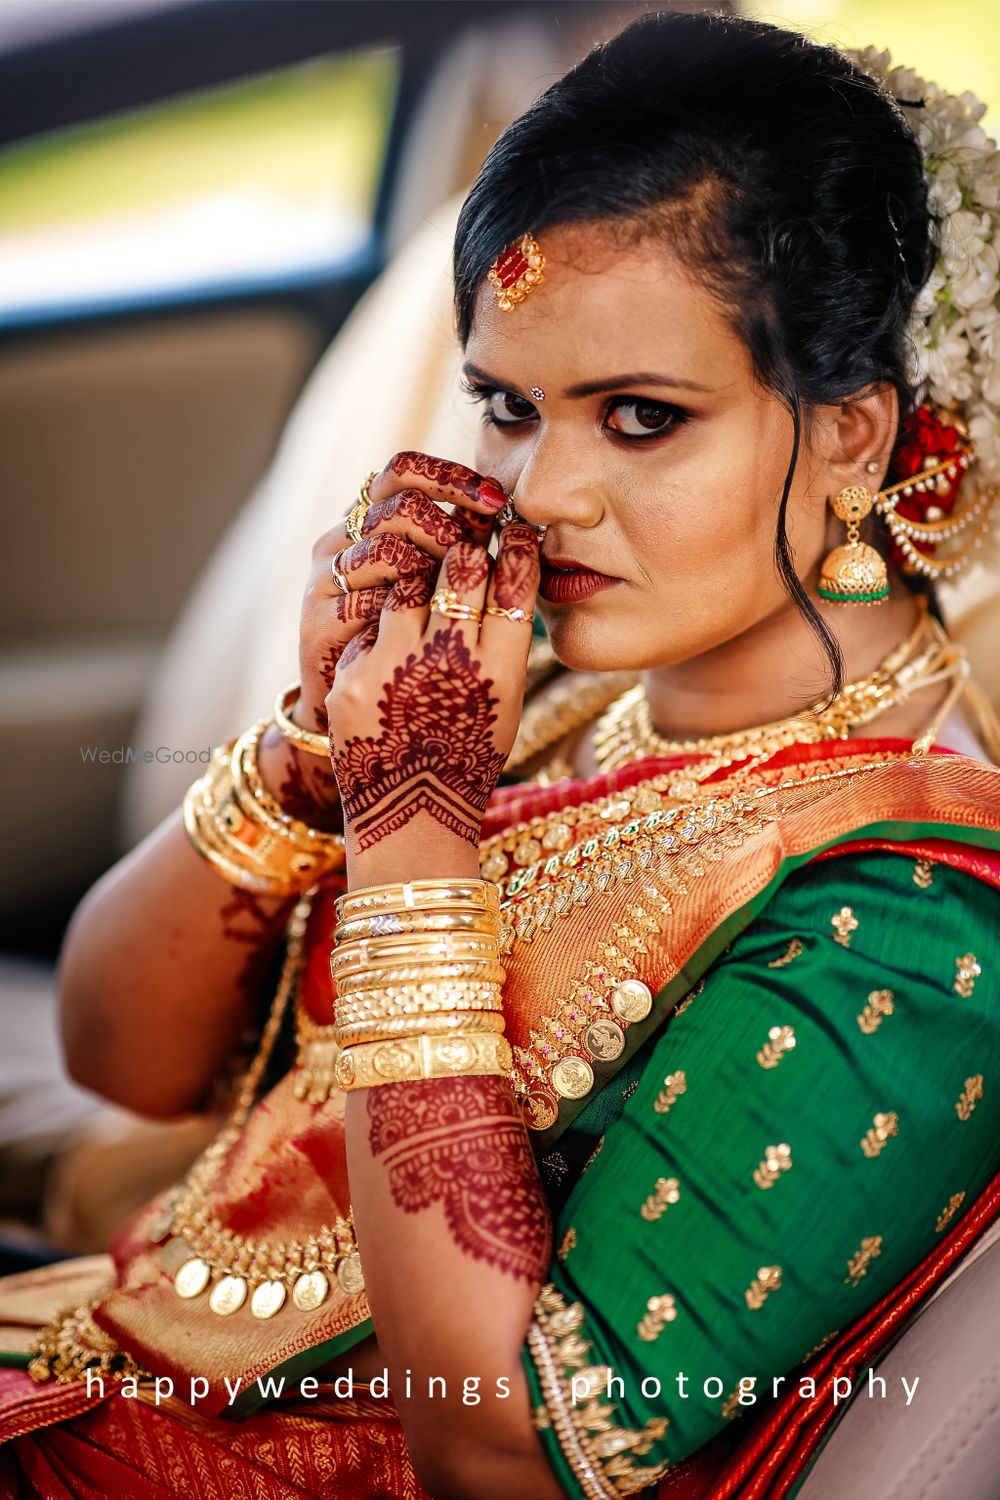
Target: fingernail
<point>491,493</point>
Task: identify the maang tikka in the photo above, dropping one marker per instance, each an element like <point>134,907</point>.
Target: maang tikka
<point>516,272</point>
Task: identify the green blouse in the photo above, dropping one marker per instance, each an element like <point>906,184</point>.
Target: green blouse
<point>816,1113</point>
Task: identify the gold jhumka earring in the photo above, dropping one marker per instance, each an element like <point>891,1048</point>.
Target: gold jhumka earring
<point>933,531</point>
<point>854,572</point>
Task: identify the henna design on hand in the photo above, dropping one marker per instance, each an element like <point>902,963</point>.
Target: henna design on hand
<point>467,567</point>
<point>393,553</point>
<point>360,604</point>
<point>517,568</point>
<point>327,669</point>
<point>433,755</point>
<point>450,475</point>
<point>411,505</point>
<point>412,592</point>
<point>309,798</point>
<point>461,1142</point>
<point>359,645</point>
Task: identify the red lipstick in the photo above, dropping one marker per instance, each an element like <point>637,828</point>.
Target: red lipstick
<point>565,581</point>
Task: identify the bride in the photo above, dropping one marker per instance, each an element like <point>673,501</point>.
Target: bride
<point>631,1069</point>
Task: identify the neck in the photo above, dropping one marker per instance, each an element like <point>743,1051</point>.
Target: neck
<point>774,670</point>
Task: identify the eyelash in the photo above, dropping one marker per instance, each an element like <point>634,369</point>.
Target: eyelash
<point>484,393</point>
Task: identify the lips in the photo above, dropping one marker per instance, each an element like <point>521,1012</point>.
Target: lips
<point>564,581</point>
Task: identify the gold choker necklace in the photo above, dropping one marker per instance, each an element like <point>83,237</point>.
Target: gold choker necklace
<point>625,731</point>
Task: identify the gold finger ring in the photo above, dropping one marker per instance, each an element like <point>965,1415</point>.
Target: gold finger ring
<point>446,602</point>
<point>339,577</point>
<point>356,515</point>
<point>527,616</point>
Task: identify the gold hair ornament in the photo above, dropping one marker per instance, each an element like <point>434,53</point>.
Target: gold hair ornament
<point>516,272</point>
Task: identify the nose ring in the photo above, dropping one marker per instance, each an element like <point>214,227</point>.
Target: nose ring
<point>510,513</point>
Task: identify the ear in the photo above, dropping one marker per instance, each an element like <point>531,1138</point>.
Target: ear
<point>861,431</point>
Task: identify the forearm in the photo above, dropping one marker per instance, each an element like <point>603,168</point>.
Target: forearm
<point>455,1238</point>
<point>166,962</point>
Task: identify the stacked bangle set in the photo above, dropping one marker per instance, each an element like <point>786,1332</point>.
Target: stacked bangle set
<point>419,983</point>
<point>245,833</point>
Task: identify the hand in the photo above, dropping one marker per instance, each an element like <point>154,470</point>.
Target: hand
<point>405,535</point>
<point>424,710</point>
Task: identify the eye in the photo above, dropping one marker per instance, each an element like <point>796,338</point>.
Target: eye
<point>504,408</point>
<point>637,417</point>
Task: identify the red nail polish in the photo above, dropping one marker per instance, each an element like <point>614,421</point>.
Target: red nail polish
<point>491,493</point>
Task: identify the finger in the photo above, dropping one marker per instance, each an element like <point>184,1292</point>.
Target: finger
<point>404,616</point>
<point>440,479</point>
<point>513,586</point>
<point>380,559</point>
<point>360,604</point>
<point>473,527</point>
<point>414,517</point>
<point>462,582</point>
<point>357,647</point>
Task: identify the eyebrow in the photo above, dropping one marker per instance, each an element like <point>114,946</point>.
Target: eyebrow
<point>597,387</point>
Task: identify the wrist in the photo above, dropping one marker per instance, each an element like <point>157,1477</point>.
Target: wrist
<point>394,860</point>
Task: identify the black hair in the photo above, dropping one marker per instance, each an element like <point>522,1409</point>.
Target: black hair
<point>787,176</point>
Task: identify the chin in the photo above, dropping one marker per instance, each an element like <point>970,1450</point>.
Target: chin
<point>592,646</point>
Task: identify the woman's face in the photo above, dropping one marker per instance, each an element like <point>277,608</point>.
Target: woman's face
<point>653,457</point>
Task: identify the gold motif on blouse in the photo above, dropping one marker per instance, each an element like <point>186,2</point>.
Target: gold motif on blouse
<point>972,1092</point>
<point>767,1280</point>
<point>731,1406</point>
<point>600,1452</point>
<point>968,971</point>
<point>659,1312</point>
<point>689,998</point>
<point>666,1190</point>
<point>948,1213</point>
<point>674,1085</point>
<point>593,1156</point>
<point>879,1132</point>
<point>777,1159</point>
<point>857,1266</point>
<point>844,923</point>
<point>568,1244</point>
<point>880,1005</point>
<point>780,1039</point>
<point>792,952</point>
<point>923,874</point>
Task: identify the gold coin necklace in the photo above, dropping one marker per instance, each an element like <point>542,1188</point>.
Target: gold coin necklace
<point>203,1255</point>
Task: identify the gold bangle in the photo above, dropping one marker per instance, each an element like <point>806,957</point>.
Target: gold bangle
<point>418,999</point>
<point>350,1013</point>
<point>419,894</point>
<point>387,924</point>
<point>232,844</point>
<point>422,1057</point>
<point>357,1033</point>
<point>377,979</point>
<point>302,739</point>
<point>412,947</point>
<point>260,807</point>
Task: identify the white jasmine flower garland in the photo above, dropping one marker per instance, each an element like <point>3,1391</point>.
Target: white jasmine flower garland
<point>955,330</point>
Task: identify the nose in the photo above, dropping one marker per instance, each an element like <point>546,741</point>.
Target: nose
<point>555,486</point>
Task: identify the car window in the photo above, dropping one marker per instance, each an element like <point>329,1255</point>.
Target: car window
<point>247,184</point>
